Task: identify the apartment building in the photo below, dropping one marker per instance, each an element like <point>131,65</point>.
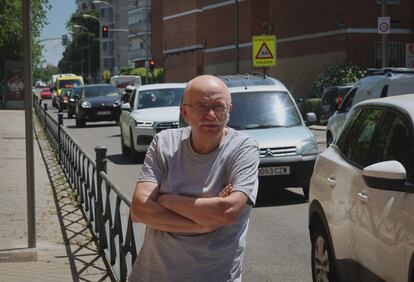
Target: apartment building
<point>213,36</point>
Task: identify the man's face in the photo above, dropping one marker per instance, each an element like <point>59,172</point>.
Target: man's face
<point>207,109</point>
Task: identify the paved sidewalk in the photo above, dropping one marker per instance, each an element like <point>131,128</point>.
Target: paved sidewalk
<point>65,249</point>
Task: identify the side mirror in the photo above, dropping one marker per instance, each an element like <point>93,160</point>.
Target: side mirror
<point>126,107</point>
<point>310,118</point>
<point>388,175</point>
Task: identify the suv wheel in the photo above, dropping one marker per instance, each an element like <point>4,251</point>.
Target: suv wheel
<point>323,261</point>
<point>134,154</point>
<point>329,138</point>
<point>124,148</point>
<point>79,122</point>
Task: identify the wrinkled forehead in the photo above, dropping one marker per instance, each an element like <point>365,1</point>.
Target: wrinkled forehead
<point>207,90</point>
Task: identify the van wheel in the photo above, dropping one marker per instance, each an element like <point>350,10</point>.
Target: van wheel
<point>322,256</point>
<point>329,138</point>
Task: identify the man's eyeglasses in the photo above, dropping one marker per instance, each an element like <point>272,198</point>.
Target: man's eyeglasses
<point>205,108</point>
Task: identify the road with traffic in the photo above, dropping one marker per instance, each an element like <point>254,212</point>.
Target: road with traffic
<point>278,245</point>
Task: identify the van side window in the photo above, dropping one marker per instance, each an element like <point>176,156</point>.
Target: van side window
<point>384,91</point>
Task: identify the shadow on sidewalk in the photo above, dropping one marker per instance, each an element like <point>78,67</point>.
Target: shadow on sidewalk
<point>86,262</point>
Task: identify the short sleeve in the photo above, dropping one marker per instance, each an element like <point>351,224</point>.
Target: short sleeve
<point>152,169</point>
<point>244,170</point>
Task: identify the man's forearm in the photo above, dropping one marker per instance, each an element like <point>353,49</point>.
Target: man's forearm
<point>210,212</point>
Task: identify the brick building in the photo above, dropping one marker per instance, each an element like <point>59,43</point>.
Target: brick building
<point>200,36</point>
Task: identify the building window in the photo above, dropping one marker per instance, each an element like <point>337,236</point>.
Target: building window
<point>104,46</point>
<point>394,56</point>
<point>389,2</point>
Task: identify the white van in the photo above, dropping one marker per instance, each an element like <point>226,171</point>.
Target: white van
<point>122,81</point>
<point>370,87</point>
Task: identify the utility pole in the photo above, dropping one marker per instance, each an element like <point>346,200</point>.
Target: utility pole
<point>28,109</point>
<point>383,37</point>
<point>237,37</point>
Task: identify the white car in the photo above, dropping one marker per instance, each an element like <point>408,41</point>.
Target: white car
<point>151,108</point>
<point>361,202</point>
<point>386,84</point>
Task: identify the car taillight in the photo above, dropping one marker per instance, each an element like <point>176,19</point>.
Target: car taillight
<point>339,100</point>
<point>65,99</point>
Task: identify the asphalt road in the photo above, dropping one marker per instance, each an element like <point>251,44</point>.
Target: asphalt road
<point>278,246</point>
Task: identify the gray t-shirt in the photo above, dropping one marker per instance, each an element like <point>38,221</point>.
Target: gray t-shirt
<point>178,169</point>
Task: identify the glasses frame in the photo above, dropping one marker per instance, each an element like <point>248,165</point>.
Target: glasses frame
<point>207,110</point>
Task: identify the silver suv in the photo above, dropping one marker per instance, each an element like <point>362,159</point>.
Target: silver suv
<point>264,109</point>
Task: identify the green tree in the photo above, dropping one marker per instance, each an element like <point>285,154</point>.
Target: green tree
<point>11,33</point>
<point>158,74</point>
<point>344,74</point>
<point>84,40</point>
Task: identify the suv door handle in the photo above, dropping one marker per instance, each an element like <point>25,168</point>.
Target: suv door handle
<point>331,180</point>
<point>363,196</point>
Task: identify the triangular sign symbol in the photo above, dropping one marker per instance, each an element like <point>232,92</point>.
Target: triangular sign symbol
<point>264,52</point>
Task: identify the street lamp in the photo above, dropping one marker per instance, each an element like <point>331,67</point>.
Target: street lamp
<point>89,51</point>
<point>86,16</point>
<point>103,2</point>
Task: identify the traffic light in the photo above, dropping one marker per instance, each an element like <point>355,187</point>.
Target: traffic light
<point>151,65</point>
<point>105,31</point>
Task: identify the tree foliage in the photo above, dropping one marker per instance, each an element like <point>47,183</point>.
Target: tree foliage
<point>344,74</point>
<point>81,55</point>
<point>157,77</point>
<point>11,33</point>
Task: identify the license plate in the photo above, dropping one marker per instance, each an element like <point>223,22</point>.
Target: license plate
<point>274,170</point>
<point>103,113</point>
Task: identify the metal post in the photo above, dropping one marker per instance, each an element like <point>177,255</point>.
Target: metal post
<point>100,159</point>
<point>60,123</point>
<point>27,76</point>
<point>237,38</point>
<point>383,37</point>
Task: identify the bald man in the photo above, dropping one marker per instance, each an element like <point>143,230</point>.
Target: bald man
<point>195,193</point>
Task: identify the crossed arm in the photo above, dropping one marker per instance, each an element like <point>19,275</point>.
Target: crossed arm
<point>181,214</point>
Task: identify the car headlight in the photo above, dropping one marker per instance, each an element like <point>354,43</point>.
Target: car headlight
<point>72,100</point>
<point>144,123</point>
<point>117,103</point>
<point>86,104</point>
<point>309,146</point>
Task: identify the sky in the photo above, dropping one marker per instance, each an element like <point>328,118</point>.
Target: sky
<point>57,17</point>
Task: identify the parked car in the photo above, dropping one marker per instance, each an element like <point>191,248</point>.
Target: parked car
<point>97,102</point>
<point>331,98</point>
<point>63,99</point>
<point>73,98</point>
<point>45,93</point>
<point>151,108</point>
<point>361,214</point>
<point>380,85</point>
<point>264,109</point>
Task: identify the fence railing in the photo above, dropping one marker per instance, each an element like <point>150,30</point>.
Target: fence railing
<point>103,203</point>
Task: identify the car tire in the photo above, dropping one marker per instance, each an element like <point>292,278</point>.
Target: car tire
<point>80,122</point>
<point>329,138</point>
<point>124,148</point>
<point>322,256</point>
<point>133,153</point>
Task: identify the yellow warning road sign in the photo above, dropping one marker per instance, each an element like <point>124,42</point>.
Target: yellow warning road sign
<point>264,51</point>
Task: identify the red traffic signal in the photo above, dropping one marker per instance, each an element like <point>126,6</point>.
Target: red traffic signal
<point>151,65</point>
<point>105,31</point>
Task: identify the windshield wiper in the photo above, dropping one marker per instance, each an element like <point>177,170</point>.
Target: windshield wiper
<point>262,126</point>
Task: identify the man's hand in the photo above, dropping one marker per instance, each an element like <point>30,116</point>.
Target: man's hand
<point>226,191</point>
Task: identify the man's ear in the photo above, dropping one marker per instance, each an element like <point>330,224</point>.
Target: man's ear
<point>183,112</point>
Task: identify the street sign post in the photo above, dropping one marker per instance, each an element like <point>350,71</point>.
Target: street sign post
<point>384,25</point>
<point>264,51</point>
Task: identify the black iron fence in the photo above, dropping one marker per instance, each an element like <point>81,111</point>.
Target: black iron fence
<point>103,203</point>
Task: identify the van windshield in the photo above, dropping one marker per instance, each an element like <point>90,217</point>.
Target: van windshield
<point>263,110</point>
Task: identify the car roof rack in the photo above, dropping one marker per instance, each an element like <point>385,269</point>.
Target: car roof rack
<point>389,71</point>
<point>245,80</point>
